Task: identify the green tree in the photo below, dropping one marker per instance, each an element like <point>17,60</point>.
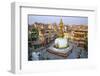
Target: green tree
<point>34,34</point>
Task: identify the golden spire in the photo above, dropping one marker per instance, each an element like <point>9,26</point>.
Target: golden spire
<point>61,27</point>
<point>61,24</point>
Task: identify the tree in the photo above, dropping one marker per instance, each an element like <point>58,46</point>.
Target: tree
<point>34,34</point>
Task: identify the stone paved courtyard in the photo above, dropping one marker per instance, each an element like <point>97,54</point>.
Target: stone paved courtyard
<point>42,54</point>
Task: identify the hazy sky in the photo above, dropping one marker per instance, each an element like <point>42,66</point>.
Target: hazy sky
<point>56,19</point>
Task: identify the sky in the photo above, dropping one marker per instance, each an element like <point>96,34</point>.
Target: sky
<point>56,19</point>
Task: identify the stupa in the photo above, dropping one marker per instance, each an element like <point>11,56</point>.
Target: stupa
<point>61,47</point>
<point>61,42</point>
